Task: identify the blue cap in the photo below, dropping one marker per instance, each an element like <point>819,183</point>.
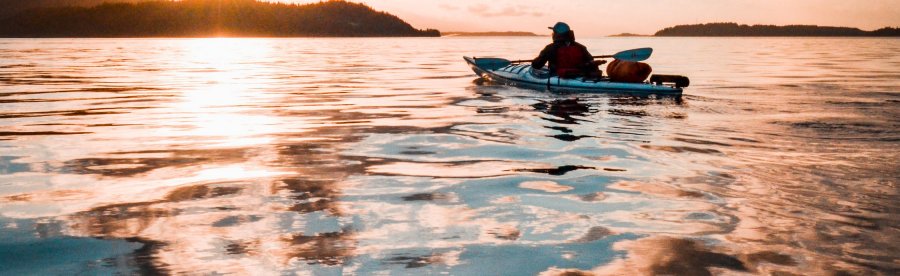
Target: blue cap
<point>560,28</point>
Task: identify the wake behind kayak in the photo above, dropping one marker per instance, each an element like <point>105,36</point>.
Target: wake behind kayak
<point>505,72</point>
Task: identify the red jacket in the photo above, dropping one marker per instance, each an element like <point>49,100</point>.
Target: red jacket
<point>566,57</point>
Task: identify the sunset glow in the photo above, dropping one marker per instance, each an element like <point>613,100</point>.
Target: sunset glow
<point>599,18</point>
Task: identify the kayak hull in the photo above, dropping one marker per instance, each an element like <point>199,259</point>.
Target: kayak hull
<point>524,75</point>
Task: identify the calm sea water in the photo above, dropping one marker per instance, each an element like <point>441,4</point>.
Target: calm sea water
<point>388,156</point>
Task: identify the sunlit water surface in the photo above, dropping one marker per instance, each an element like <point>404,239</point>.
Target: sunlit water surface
<point>362,156</point>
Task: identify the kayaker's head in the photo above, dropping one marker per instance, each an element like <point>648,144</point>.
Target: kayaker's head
<point>560,28</point>
<point>562,32</point>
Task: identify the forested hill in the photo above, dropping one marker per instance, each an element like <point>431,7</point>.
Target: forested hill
<point>734,29</point>
<point>193,18</point>
<point>12,7</point>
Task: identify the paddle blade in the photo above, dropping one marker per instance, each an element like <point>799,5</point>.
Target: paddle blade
<point>491,63</point>
<point>639,54</point>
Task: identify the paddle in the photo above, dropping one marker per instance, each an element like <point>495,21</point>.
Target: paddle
<point>491,63</point>
<point>639,54</point>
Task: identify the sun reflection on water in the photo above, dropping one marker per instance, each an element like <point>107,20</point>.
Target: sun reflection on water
<point>230,73</point>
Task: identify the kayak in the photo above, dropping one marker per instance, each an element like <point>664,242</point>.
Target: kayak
<point>505,72</point>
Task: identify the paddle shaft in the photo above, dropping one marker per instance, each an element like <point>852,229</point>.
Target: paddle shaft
<point>530,60</point>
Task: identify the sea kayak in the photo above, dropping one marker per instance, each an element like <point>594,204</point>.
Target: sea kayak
<point>502,71</point>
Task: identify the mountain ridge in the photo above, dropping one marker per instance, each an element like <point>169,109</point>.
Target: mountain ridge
<point>12,7</point>
<point>204,18</point>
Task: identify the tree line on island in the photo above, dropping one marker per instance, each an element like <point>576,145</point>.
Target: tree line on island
<point>188,18</point>
<point>12,7</point>
<point>734,29</point>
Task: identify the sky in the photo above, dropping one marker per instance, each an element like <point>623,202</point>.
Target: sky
<point>606,17</point>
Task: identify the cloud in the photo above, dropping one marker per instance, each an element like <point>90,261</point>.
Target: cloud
<point>449,7</point>
<point>486,11</point>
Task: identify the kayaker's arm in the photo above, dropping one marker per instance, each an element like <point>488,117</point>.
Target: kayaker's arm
<point>588,58</point>
<point>544,57</point>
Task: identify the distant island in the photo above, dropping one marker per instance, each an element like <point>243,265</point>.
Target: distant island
<point>734,29</point>
<point>201,18</point>
<point>489,34</point>
<point>627,35</point>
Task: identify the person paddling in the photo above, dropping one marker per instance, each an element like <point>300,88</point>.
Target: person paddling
<point>567,58</point>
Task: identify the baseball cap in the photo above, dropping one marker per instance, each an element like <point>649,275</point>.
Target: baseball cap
<point>560,27</point>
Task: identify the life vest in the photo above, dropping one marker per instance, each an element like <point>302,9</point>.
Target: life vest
<point>569,60</point>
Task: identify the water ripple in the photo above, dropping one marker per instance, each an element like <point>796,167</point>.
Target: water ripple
<point>367,156</point>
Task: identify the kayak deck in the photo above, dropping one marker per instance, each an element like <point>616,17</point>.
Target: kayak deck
<point>525,75</point>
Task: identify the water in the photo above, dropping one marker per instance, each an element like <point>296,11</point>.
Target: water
<point>364,156</point>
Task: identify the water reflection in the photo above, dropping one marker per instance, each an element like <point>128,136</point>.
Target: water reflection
<point>262,156</point>
<point>332,248</point>
<point>563,110</point>
<point>664,256</point>
<point>145,161</point>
